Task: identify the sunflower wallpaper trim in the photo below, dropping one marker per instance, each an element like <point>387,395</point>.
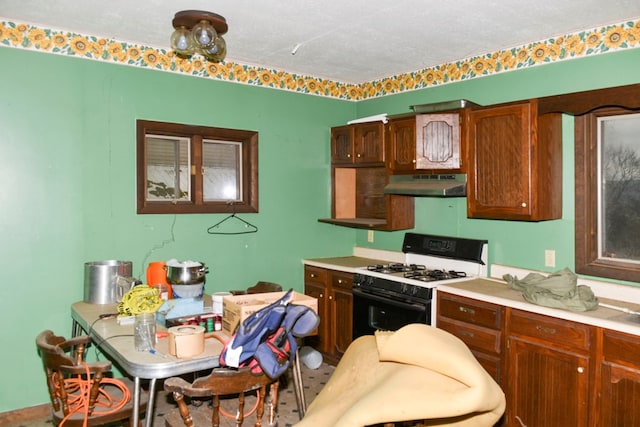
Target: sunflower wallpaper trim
<point>625,35</point>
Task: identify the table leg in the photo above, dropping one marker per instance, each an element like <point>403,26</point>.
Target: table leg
<point>152,394</point>
<point>298,386</point>
<point>76,329</point>
<point>136,402</point>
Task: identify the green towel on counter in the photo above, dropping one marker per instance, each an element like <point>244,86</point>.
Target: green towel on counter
<point>558,290</point>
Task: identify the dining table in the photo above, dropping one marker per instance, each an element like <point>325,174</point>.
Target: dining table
<point>115,339</point>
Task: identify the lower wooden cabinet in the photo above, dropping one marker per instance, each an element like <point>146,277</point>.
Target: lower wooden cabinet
<point>548,372</point>
<point>554,372</point>
<point>619,381</point>
<point>335,308</point>
<point>479,325</point>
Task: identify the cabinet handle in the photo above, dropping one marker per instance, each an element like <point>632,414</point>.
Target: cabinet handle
<point>330,296</point>
<point>358,155</point>
<point>340,281</point>
<point>546,330</point>
<point>414,161</point>
<point>580,369</point>
<point>523,204</point>
<point>348,156</point>
<point>313,275</point>
<point>321,296</point>
<point>467,334</point>
<point>467,310</point>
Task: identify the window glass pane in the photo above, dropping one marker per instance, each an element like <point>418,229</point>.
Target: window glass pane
<point>619,190</point>
<point>168,168</point>
<point>222,167</point>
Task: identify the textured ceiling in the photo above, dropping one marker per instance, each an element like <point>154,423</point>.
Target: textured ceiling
<point>350,41</point>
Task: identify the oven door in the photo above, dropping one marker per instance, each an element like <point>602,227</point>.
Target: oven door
<point>374,312</point>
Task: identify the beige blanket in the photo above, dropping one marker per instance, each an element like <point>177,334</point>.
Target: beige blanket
<point>418,372</point>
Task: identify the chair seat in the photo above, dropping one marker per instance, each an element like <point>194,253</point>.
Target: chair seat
<point>96,419</point>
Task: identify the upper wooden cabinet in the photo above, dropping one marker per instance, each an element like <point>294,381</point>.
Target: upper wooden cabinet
<point>515,163</point>
<point>358,144</point>
<point>401,142</point>
<point>358,178</point>
<point>425,142</point>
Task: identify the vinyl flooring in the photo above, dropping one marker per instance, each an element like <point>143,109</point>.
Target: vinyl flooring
<point>288,414</point>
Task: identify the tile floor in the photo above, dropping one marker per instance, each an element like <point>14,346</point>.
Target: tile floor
<point>288,414</point>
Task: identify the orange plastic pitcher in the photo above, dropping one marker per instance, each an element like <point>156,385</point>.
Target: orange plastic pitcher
<point>157,276</point>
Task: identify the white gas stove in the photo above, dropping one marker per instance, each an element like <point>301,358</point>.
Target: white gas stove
<point>389,296</point>
<point>430,260</point>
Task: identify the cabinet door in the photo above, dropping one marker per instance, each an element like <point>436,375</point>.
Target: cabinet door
<point>315,280</point>
<point>369,143</point>
<point>342,147</point>
<point>438,141</point>
<point>619,380</point>
<point>547,387</point>
<point>401,141</point>
<point>501,159</point>
<point>342,308</point>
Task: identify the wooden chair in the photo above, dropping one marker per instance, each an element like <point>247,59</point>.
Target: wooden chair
<point>78,389</point>
<point>259,288</point>
<point>221,382</point>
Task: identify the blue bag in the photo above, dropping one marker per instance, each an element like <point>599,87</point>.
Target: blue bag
<point>266,340</point>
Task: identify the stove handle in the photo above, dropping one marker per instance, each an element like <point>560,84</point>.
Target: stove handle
<point>390,301</point>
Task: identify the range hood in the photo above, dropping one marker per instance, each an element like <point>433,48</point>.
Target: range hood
<point>438,107</point>
<point>446,185</point>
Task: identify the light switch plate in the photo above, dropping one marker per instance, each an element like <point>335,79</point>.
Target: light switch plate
<point>370,236</point>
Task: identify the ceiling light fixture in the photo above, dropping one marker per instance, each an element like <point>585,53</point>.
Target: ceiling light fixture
<point>197,31</point>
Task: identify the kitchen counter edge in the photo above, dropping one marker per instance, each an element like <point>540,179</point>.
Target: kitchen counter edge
<point>497,292</point>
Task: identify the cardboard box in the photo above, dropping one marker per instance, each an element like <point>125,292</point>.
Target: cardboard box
<point>236,308</point>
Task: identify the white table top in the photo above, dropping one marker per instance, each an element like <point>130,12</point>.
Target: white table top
<point>117,342</point>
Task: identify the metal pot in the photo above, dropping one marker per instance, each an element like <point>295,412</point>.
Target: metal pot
<point>186,275</point>
<point>103,280</point>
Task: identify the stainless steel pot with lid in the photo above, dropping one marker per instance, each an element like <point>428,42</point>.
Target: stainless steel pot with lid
<point>186,273</point>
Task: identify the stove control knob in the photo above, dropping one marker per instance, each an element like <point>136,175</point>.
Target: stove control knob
<point>357,279</point>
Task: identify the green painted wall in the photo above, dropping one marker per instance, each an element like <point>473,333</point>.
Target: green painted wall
<point>68,143</point>
<point>67,138</point>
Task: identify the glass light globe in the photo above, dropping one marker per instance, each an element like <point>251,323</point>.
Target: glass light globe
<point>217,51</point>
<point>181,42</point>
<point>204,35</point>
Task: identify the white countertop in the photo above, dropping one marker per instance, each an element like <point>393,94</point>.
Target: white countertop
<point>497,292</point>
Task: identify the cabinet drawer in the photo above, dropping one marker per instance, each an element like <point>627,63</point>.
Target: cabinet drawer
<point>342,280</point>
<point>469,310</point>
<point>491,364</point>
<point>315,274</point>
<point>557,331</point>
<point>475,337</point>
<point>621,348</point>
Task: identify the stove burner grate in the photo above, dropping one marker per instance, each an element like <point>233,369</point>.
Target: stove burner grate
<point>433,275</point>
<point>396,268</point>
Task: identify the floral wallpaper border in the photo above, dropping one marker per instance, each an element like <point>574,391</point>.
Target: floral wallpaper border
<point>596,41</point>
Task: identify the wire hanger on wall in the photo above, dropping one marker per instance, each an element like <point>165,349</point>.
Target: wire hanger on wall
<point>250,227</point>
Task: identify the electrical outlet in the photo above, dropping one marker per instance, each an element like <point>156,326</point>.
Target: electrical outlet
<point>370,236</point>
<point>549,258</point>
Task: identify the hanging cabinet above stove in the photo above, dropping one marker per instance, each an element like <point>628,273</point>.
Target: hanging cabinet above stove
<point>425,143</point>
